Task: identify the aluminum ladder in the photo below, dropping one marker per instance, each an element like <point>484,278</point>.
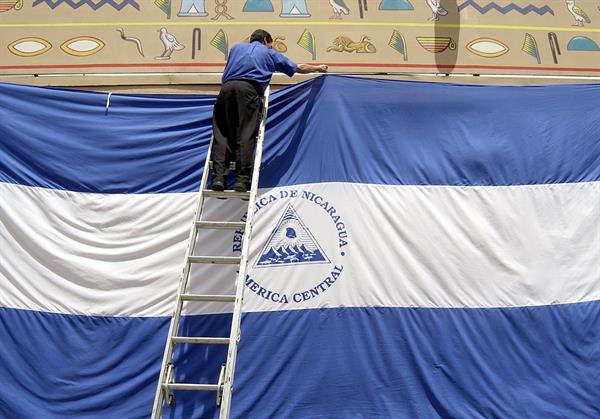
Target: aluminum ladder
<point>224,387</point>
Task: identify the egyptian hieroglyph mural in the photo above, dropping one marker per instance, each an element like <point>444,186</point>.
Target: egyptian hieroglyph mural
<point>446,36</point>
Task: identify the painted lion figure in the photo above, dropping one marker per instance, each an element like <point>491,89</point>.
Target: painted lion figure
<point>345,44</point>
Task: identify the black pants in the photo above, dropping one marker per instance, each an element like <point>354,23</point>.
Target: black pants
<point>235,125</point>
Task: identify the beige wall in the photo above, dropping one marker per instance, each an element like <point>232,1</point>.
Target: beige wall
<point>475,36</point>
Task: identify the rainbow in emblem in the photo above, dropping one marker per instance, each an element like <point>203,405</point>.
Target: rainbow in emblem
<point>290,243</point>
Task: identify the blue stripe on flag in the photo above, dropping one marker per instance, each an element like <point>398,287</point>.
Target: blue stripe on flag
<point>331,129</point>
<point>366,362</point>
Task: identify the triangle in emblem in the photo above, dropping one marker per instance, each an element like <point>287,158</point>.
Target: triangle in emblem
<point>291,243</point>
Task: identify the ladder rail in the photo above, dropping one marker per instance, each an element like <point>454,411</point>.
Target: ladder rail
<point>157,408</point>
<point>241,277</point>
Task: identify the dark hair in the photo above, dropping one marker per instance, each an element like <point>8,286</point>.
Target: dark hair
<point>259,35</point>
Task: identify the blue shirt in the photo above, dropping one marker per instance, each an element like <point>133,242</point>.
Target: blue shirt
<point>255,61</point>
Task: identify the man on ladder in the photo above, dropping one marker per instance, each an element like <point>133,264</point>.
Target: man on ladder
<point>236,123</point>
<point>237,110</point>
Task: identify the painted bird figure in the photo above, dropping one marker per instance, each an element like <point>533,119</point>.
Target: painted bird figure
<point>170,44</point>
<point>579,15</point>
<point>339,9</point>
<point>436,9</point>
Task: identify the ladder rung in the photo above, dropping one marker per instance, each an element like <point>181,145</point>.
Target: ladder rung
<point>206,297</point>
<point>201,340</point>
<point>233,260</point>
<point>226,194</point>
<point>221,225</point>
<point>192,387</point>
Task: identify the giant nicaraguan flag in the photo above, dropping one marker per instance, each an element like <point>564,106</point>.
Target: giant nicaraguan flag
<point>419,250</point>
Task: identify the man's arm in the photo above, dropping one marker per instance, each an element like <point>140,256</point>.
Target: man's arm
<point>287,66</point>
<point>309,68</point>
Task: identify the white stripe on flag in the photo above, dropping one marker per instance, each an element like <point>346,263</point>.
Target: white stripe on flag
<point>407,246</point>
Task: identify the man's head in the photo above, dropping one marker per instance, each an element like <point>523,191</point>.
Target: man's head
<point>262,36</point>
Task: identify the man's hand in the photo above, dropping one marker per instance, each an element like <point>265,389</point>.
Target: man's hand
<point>309,68</point>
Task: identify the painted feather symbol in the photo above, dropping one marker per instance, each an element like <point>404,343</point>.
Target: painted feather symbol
<point>221,42</point>
<point>307,41</point>
<point>398,43</point>
<point>530,47</point>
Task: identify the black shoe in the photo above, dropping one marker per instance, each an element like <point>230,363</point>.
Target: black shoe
<point>240,186</point>
<point>218,185</point>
